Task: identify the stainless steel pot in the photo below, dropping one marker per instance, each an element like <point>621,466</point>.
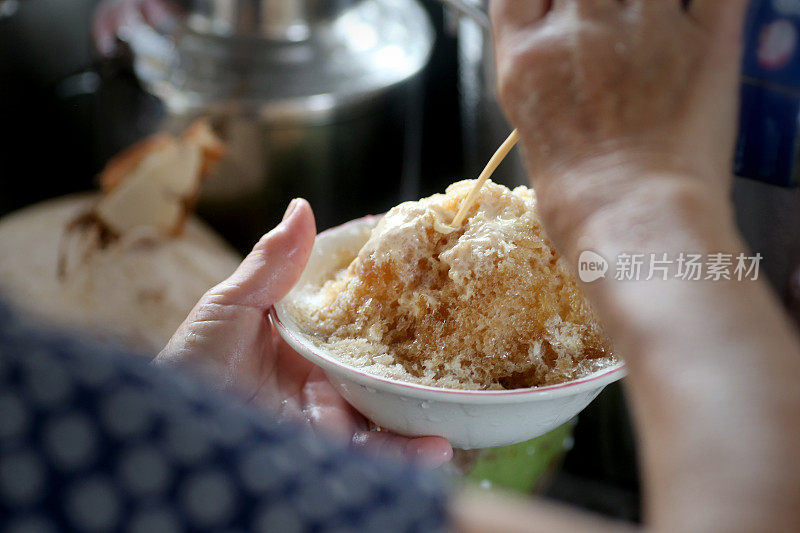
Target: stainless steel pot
<point>316,98</point>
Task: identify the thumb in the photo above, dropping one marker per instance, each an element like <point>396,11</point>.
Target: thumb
<point>275,264</point>
<point>511,17</point>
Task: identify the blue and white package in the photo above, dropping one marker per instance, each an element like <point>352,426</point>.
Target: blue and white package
<point>767,148</point>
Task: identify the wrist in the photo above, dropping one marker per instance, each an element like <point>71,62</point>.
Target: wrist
<point>628,208</point>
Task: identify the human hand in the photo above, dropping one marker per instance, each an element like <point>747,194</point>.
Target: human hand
<point>626,112</point>
<point>607,94</point>
<point>111,15</point>
<point>229,337</point>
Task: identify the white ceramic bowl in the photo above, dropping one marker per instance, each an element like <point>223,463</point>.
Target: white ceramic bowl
<point>467,418</point>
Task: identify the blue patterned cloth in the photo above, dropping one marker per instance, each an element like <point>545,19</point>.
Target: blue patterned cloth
<point>92,440</point>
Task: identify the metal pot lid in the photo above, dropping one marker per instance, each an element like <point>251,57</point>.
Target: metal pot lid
<point>279,58</point>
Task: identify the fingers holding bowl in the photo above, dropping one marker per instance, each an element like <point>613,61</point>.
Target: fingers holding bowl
<point>428,452</point>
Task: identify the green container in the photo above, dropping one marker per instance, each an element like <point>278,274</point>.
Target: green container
<point>524,467</point>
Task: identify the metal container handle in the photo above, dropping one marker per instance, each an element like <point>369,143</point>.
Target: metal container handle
<point>470,10</point>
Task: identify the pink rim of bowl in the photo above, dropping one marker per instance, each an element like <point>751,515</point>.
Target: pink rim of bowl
<point>597,379</point>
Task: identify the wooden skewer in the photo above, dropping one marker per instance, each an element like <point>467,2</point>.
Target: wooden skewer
<point>493,163</point>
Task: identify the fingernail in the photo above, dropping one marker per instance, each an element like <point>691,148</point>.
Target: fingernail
<point>291,208</point>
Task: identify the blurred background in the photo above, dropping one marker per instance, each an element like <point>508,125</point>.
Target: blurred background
<point>355,105</point>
